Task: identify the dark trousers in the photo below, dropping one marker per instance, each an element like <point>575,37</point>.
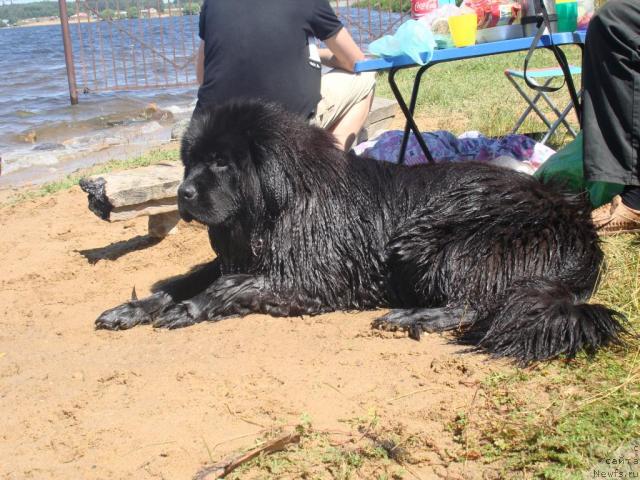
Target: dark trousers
<point>611,101</point>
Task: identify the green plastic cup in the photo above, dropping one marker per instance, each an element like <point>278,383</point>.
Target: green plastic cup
<point>567,16</point>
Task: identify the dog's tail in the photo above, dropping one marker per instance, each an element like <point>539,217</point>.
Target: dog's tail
<point>539,319</point>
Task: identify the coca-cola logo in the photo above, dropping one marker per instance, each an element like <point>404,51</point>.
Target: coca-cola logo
<point>423,5</point>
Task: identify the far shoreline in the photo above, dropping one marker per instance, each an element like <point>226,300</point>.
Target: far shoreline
<point>43,23</point>
<point>56,21</point>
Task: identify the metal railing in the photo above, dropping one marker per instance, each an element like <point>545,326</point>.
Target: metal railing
<point>368,20</point>
<point>146,44</point>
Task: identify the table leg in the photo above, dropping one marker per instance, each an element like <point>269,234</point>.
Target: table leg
<point>412,109</point>
<point>408,114</point>
<point>579,110</point>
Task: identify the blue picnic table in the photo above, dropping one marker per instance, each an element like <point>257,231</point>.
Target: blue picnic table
<point>397,63</point>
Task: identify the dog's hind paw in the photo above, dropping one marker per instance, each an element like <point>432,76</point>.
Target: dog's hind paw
<point>175,316</point>
<point>418,320</point>
<point>122,317</point>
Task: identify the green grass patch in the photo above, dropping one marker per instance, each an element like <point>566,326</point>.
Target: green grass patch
<point>149,158</point>
<point>558,420</point>
<point>475,94</point>
<point>367,450</point>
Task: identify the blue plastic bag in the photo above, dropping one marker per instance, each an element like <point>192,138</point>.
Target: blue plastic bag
<point>413,38</point>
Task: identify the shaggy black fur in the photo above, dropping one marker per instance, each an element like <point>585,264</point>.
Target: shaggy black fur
<point>301,228</point>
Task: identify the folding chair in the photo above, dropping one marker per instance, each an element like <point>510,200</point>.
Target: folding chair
<point>549,74</point>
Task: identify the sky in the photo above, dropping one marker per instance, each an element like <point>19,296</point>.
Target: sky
<point>8,2</point>
<point>15,2</point>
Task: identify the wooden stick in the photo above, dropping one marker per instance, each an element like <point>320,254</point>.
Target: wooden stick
<point>225,468</point>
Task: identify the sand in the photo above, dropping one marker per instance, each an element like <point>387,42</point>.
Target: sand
<point>77,403</point>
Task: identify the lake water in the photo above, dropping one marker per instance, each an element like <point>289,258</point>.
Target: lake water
<point>40,132</point>
<point>43,137</point>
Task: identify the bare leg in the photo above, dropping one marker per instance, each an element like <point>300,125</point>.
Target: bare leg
<point>346,129</point>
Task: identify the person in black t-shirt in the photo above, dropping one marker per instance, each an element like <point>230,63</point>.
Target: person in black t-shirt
<point>266,49</point>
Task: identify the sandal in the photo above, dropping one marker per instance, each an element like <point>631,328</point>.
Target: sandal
<point>615,217</point>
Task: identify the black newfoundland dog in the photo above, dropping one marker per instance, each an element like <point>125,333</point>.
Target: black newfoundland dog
<point>301,228</point>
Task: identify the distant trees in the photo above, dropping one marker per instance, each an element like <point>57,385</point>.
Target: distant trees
<point>190,8</point>
<point>107,14</point>
<point>22,11</point>
<point>133,12</point>
<point>12,14</point>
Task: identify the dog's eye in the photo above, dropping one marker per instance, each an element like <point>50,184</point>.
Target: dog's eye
<point>215,168</point>
<point>218,164</point>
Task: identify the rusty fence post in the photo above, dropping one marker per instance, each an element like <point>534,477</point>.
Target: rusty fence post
<point>68,52</point>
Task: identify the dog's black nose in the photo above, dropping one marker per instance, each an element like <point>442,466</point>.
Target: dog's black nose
<point>187,192</point>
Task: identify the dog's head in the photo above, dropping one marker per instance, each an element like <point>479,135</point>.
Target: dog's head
<point>228,156</point>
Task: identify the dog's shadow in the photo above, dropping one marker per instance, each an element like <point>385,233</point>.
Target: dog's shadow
<point>116,250</point>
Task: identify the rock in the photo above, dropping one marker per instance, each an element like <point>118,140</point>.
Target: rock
<point>163,224</point>
<point>153,112</point>
<point>150,109</point>
<point>29,137</point>
<point>178,129</point>
<point>49,146</point>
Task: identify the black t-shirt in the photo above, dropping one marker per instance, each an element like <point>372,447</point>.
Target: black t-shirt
<point>260,49</point>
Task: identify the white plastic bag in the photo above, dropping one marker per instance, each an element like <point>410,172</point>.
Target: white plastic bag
<point>438,22</point>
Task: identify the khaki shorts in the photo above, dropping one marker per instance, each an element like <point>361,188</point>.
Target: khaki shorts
<point>340,91</point>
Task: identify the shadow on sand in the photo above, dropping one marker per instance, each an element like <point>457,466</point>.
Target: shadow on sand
<point>118,249</point>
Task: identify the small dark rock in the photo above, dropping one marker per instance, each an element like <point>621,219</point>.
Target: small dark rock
<point>49,146</point>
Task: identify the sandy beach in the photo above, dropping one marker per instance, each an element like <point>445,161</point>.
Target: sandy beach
<point>38,22</point>
<point>145,403</point>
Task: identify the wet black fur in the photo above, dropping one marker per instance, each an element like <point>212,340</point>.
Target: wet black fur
<point>301,228</point>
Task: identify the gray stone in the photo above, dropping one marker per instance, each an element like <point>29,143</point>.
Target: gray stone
<point>178,129</point>
<point>49,146</point>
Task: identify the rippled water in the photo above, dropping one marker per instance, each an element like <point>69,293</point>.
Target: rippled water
<point>39,129</point>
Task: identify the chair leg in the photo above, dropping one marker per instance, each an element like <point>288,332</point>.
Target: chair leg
<point>532,104</point>
<point>560,115</point>
<point>562,119</point>
<point>520,120</point>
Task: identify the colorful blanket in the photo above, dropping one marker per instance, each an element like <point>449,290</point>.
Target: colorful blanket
<point>446,147</point>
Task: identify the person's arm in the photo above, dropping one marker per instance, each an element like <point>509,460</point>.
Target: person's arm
<point>342,52</point>
<point>200,63</point>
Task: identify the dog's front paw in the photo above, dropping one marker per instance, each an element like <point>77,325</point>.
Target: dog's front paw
<point>175,316</point>
<point>122,317</point>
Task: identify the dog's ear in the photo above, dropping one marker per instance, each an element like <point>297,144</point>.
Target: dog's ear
<point>274,179</point>
<point>195,137</point>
